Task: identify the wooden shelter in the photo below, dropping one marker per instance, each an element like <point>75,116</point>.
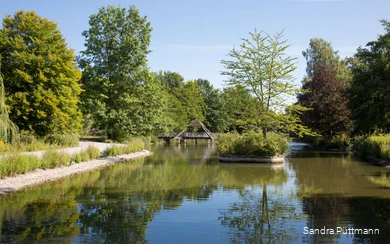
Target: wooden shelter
<point>206,134</point>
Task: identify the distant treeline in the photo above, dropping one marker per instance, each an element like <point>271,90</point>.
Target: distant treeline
<point>48,90</point>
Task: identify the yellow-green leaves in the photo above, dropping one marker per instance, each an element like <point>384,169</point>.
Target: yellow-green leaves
<point>41,79</point>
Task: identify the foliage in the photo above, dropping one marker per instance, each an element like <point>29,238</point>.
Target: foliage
<point>8,130</point>
<point>215,116</point>
<point>252,144</point>
<point>18,163</point>
<point>68,140</point>
<point>40,77</point>
<point>241,108</point>
<point>336,142</point>
<point>373,146</point>
<point>135,145</point>
<point>114,69</point>
<point>29,142</point>
<point>329,115</point>
<point>369,94</point>
<point>321,52</point>
<point>260,66</point>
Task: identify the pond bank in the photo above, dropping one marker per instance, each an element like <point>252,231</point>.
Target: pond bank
<point>13,184</point>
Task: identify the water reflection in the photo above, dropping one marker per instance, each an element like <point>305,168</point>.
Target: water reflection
<point>185,187</point>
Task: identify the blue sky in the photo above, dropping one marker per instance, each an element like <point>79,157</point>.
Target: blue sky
<point>192,37</point>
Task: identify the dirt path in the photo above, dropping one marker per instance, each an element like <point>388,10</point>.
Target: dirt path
<point>13,184</point>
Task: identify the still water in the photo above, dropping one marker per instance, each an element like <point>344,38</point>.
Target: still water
<point>182,194</point>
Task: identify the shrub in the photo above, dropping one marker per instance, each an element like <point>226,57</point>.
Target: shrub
<point>93,152</point>
<point>84,156</point>
<point>374,146</point>
<point>18,164</point>
<point>68,140</point>
<point>252,144</point>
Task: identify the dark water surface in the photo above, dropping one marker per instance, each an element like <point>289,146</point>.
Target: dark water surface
<point>182,194</point>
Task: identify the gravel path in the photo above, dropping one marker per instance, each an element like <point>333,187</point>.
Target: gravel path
<point>12,184</point>
<point>82,146</point>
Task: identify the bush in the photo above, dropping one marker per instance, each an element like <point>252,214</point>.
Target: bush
<point>336,142</point>
<point>69,140</point>
<point>18,164</point>
<point>252,144</point>
<point>374,146</point>
<point>93,152</point>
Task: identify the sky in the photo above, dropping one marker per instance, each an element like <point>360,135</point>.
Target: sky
<point>192,37</point>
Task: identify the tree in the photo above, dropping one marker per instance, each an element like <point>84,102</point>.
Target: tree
<point>329,115</point>
<point>117,45</point>
<point>369,94</point>
<point>8,130</point>
<point>241,108</point>
<point>192,100</point>
<point>321,51</point>
<point>260,65</point>
<point>41,79</point>
<point>215,115</point>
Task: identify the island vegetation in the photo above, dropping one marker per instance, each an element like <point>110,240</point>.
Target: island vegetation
<point>49,96</point>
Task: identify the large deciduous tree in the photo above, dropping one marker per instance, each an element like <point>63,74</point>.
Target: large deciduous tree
<point>261,66</point>
<point>369,94</point>
<point>329,114</point>
<point>215,117</point>
<point>40,77</point>
<point>321,51</point>
<point>325,83</point>
<point>116,51</point>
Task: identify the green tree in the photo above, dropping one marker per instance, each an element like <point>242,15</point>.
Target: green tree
<point>41,79</point>
<point>216,119</point>
<point>241,108</point>
<point>117,45</point>
<point>260,65</point>
<point>321,52</point>
<point>8,130</point>
<point>192,100</point>
<point>369,94</point>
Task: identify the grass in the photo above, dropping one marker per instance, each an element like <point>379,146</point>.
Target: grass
<point>373,146</point>
<point>29,143</point>
<point>131,146</point>
<point>18,163</point>
<point>252,144</point>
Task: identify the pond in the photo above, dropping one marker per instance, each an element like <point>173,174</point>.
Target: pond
<point>182,194</point>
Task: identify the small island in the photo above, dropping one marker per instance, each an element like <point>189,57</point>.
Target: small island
<point>252,147</point>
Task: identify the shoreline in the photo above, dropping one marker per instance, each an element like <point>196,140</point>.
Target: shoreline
<point>40,176</point>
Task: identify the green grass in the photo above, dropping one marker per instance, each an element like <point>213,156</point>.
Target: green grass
<point>134,145</point>
<point>252,144</point>
<point>373,146</point>
<point>17,163</point>
<point>29,143</point>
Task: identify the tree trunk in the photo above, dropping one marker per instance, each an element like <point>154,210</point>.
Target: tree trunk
<point>265,132</point>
